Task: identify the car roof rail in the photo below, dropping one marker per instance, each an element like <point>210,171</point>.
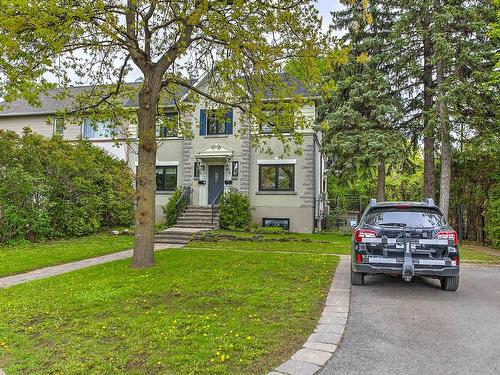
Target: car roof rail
<point>429,201</point>
<point>373,202</point>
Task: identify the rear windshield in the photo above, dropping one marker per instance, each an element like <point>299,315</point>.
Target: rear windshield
<point>412,217</point>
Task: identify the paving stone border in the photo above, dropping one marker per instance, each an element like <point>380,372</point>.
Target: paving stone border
<point>321,345</point>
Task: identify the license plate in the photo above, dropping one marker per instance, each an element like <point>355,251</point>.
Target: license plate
<point>431,262</point>
<point>382,260</point>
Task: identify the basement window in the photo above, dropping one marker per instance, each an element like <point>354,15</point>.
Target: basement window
<point>273,222</point>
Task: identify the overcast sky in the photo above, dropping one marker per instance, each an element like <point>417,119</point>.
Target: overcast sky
<point>325,7</point>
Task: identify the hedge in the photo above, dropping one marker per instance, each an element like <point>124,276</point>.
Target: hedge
<point>52,188</point>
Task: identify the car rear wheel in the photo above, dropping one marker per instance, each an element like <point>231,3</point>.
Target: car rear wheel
<point>357,278</point>
<point>450,283</point>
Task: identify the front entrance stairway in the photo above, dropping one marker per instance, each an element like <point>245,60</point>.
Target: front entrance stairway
<point>194,219</point>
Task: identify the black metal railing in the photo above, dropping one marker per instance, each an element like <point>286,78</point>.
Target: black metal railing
<point>215,202</point>
<point>183,201</point>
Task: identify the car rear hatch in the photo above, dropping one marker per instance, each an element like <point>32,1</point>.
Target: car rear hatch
<point>405,248</point>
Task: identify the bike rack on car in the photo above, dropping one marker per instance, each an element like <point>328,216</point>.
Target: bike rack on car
<point>409,247</point>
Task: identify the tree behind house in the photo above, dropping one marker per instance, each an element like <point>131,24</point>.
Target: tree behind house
<point>363,112</point>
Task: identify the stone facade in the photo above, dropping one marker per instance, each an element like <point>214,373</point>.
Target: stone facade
<point>217,151</point>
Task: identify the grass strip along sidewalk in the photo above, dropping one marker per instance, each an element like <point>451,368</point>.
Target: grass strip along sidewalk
<point>322,243</point>
<point>293,242</point>
<point>211,312</point>
<point>17,259</point>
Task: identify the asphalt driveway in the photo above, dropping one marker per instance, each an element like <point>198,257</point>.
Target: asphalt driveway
<point>395,328</point>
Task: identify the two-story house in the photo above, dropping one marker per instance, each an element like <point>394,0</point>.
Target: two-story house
<point>283,190</point>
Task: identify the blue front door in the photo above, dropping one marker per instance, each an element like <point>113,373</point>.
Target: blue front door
<point>215,183</point>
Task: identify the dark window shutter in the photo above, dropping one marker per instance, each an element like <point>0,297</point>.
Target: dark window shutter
<point>203,122</point>
<point>229,121</point>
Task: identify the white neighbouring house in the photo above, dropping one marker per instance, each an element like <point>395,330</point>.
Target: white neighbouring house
<point>289,191</point>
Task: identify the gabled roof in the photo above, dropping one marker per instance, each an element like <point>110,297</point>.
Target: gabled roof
<point>51,103</point>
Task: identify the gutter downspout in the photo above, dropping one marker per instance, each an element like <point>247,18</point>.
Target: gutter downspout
<point>314,183</point>
<point>316,199</point>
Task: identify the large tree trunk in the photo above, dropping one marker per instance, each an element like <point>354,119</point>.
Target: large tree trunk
<point>381,181</point>
<point>444,122</point>
<point>146,181</point>
<point>444,197</point>
<point>429,169</point>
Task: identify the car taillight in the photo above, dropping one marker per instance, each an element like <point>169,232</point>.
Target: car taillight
<point>448,235</point>
<point>455,259</point>
<point>359,258</point>
<point>359,234</point>
<point>403,206</point>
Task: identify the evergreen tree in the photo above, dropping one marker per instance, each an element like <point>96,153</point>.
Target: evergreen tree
<point>464,57</point>
<point>439,57</point>
<point>363,112</point>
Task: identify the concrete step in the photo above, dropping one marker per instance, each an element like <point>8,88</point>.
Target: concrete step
<point>186,220</point>
<point>200,213</point>
<point>186,237</point>
<point>176,241</point>
<point>196,225</point>
<point>197,214</point>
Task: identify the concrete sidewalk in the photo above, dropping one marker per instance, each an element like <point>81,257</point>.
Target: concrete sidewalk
<point>43,273</point>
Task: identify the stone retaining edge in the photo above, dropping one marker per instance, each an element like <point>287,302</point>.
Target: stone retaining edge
<point>323,342</point>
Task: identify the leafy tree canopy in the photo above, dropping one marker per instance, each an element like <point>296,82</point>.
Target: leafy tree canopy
<point>237,47</point>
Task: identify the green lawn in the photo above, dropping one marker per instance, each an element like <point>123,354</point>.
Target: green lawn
<point>210,312</point>
<point>322,236</point>
<point>320,243</point>
<point>337,244</point>
<point>23,258</point>
<point>473,253</point>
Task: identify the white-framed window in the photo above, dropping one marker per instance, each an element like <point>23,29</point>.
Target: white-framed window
<point>96,129</point>
<point>276,177</point>
<point>166,178</point>
<point>58,125</point>
<point>167,124</point>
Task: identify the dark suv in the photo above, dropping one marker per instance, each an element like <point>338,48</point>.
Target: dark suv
<point>408,239</point>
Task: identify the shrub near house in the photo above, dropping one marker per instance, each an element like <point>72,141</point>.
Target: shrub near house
<point>53,188</point>
<point>174,208</point>
<point>235,211</point>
